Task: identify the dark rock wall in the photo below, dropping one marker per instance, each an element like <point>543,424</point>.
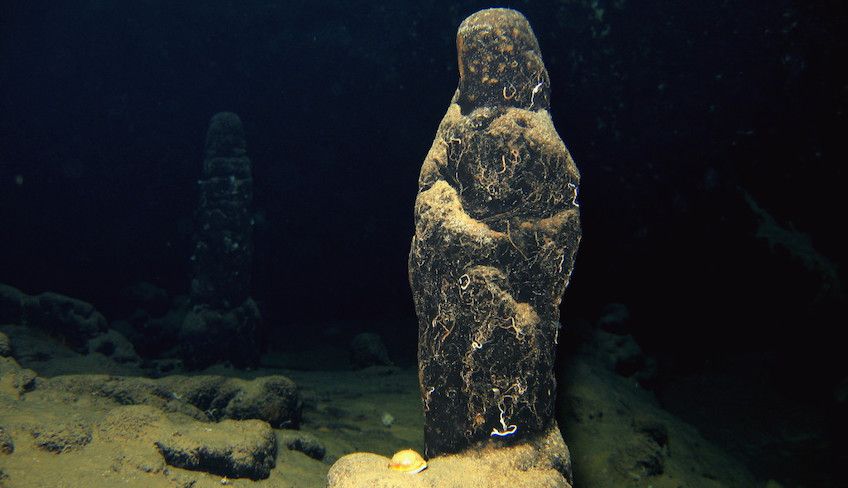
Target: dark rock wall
<point>497,228</point>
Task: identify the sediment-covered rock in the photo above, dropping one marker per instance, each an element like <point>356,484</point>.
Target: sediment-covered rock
<point>273,399</point>
<point>74,320</point>
<point>538,463</point>
<point>7,445</point>
<point>303,442</point>
<point>63,437</point>
<point>15,380</point>
<point>620,436</point>
<point>245,449</point>
<point>496,231</point>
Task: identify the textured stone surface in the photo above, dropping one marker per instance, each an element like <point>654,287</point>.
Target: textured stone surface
<point>234,449</point>
<point>538,464</point>
<point>7,445</point>
<point>223,321</point>
<point>74,320</point>
<point>303,442</point>
<point>224,235</point>
<point>62,437</point>
<point>273,399</point>
<point>496,231</point>
<point>15,380</point>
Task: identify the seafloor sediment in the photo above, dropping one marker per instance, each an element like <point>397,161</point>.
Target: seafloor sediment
<point>101,428</point>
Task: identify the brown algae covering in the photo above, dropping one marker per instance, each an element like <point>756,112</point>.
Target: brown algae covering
<point>496,231</point>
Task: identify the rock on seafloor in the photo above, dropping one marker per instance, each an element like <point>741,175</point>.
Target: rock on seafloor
<point>303,442</point>
<point>7,445</point>
<point>496,231</point>
<point>103,430</point>
<point>74,320</point>
<point>538,463</point>
<point>274,399</point>
<point>244,449</point>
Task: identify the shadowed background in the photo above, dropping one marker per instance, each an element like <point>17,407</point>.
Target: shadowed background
<point>674,112</point>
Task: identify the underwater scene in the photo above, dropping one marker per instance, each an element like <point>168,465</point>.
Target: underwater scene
<point>429,244</point>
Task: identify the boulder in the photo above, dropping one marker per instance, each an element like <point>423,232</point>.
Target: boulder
<point>74,320</point>
<point>537,464</point>
<point>273,399</point>
<point>303,442</point>
<point>245,449</point>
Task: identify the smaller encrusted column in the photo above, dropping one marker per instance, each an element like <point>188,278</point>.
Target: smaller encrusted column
<point>221,324</point>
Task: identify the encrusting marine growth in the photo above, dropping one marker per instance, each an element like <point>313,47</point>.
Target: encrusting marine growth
<point>223,319</point>
<point>496,231</point>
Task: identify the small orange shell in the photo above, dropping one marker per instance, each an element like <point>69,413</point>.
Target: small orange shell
<point>408,461</point>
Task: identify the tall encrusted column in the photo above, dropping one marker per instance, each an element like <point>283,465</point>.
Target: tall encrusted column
<point>222,322</point>
<point>496,231</point>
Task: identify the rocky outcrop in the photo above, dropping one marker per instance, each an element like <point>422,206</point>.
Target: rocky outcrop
<point>538,463</point>
<point>136,431</point>
<point>244,449</point>
<point>274,399</point>
<point>620,436</point>
<point>62,437</point>
<point>74,320</point>
<point>14,380</point>
<point>7,445</point>
<point>496,231</point>
<point>305,443</point>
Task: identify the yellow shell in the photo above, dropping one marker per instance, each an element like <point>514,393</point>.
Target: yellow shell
<point>408,461</point>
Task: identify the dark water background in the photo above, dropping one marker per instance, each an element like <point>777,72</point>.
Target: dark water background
<point>673,110</point>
